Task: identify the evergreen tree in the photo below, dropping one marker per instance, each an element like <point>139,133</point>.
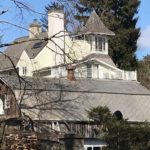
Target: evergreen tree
<point>118,133</point>
<point>144,71</point>
<point>49,7</point>
<point>120,17</point>
<point>67,8</point>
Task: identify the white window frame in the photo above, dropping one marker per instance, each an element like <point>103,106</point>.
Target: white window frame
<point>95,71</point>
<point>93,146</point>
<point>2,106</point>
<point>89,71</point>
<point>24,70</point>
<point>100,43</point>
<point>5,103</point>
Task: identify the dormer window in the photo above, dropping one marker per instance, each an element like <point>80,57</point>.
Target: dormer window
<point>99,43</point>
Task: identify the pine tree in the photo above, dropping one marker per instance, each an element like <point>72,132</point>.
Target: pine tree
<point>118,133</point>
<point>67,8</point>
<point>120,17</point>
<point>144,71</point>
<point>49,7</point>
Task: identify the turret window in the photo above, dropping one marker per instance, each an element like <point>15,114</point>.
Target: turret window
<point>99,43</point>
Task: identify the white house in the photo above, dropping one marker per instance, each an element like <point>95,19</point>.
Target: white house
<point>87,50</point>
<point>45,59</point>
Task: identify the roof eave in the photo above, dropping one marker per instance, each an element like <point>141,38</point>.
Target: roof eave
<point>97,33</point>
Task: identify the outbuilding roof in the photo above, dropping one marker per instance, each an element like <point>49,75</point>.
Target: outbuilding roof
<point>101,57</point>
<point>60,99</point>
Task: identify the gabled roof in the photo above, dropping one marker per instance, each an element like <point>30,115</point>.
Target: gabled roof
<point>101,57</point>
<point>61,99</point>
<point>94,25</point>
<point>93,56</point>
<point>15,51</point>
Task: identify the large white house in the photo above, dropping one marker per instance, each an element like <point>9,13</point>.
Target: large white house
<point>87,50</point>
<point>46,60</point>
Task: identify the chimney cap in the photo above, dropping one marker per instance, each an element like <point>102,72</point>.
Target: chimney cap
<point>35,23</point>
<point>56,10</point>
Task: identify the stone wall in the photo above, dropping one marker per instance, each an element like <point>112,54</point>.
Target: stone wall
<point>22,141</point>
<point>72,142</point>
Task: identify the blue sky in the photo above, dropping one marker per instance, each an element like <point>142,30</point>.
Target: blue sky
<point>10,33</point>
<point>144,24</point>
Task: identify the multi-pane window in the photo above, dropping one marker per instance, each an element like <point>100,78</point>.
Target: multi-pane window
<point>99,43</point>
<point>24,69</point>
<point>88,38</point>
<point>7,101</point>
<point>89,71</point>
<point>45,73</point>
<point>94,147</point>
<point>1,106</point>
<point>96,71</point>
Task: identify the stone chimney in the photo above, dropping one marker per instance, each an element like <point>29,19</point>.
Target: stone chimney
<point>70,73</point>
<point>55,22</point>
<point>34,29</point>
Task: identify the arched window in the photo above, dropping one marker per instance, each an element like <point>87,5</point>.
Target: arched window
<point>118,115</point>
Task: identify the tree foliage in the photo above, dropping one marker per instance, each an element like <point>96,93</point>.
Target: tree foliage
<point>57,6</point>
<point>49,7</point>
<point>119,133</point>
<point>120,17</point>
<point>144,71</point>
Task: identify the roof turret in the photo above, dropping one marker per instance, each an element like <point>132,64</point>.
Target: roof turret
<point>94,25</point>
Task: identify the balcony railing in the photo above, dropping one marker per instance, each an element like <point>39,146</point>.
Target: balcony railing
<point>126,75</point>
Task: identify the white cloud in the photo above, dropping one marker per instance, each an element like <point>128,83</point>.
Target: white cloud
<point>144,40</point>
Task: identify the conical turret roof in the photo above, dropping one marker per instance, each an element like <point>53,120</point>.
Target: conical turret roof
<point>94,25</point>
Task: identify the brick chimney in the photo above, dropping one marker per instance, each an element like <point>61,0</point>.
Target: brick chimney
<point>34,29</point>
<point>70,74</point>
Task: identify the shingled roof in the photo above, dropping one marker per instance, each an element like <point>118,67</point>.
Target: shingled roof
<point>15,51</point>
<point>94,25</point>
<point>60,99</point>
<point>101,57</point>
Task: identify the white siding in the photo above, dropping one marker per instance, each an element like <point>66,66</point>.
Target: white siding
<point>23,62</point>
<point>1,107</point>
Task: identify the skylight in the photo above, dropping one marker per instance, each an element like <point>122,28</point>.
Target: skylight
<point>37,45</point>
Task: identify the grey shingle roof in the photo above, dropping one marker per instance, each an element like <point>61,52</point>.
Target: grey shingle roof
<point>101,57</point>
<point>60,99</point>
<point>94,25</point>
<point>15,51</point>
<point>81,85</point>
